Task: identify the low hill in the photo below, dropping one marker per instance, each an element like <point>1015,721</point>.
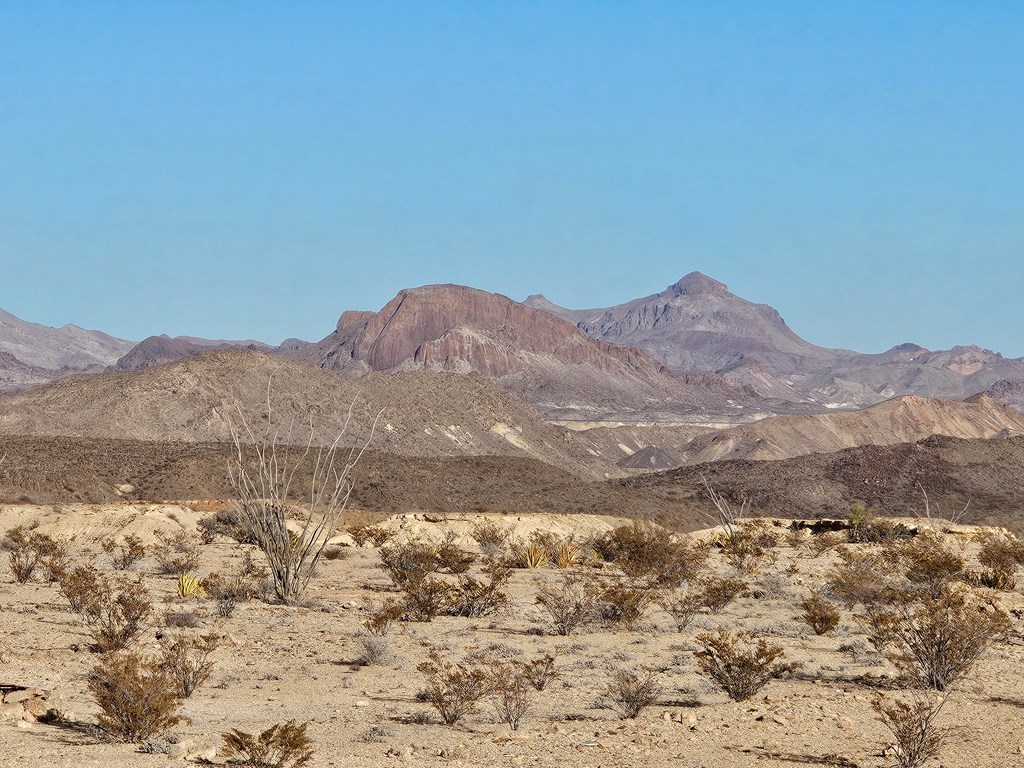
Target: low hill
<point>425,413</point>
<point>900,420</point>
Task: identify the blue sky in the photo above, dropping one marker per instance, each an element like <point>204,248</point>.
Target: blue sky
<point>252,169</point>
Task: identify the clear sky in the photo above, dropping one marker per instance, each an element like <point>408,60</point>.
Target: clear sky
<point>251,169</point>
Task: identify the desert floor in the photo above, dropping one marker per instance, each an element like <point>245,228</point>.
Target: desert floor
<point>279,662</point>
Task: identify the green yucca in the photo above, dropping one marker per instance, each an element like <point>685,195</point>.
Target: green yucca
<point>190,586</point>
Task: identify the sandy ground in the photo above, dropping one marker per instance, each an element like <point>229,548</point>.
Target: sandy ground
<point>279,662</point>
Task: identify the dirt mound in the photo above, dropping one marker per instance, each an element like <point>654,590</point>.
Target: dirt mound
<point>650,458</point>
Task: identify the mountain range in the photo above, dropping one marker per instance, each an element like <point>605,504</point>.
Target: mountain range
<point>694,353</point>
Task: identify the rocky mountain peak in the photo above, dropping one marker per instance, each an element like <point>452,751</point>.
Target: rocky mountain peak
<point>698,284</point>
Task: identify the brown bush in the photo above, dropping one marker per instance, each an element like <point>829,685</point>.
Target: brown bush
<point>129,553</point>
<point>935,641</point>
<point>860,577</point>
<point>116,613</point>
<point>413,559</point>
<point>382,616</point>
<point>630,692</point>
<point>491,536</point>
<point>26,549</point>
<point>187,661</point>
<point>427,597</point>
<point>540,671</point>
<point>912,724</point>
<point>370,533</point>
<point>136,697</point>
<point>682,604</point>
<point>282,745</point>
<point>866,527</point>
<point>453,689</point>
<point>624,603</point>
<point>1000,557</point>
<point>819,613</point>
<point>644,550</point>
<point>716,594</point>
<point>510,690</point>
<point>481,597</point>
<point>176,553</point>
<point>78,585</point>
<point>929,565</point>
<point>738,663</point>
<point>246,582</point>
<point>749,544</point>
<point>571,603</point>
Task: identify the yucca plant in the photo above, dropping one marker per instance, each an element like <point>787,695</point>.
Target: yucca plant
<point>567,554</point>
<point>533,556</point>
<point>190,586</point>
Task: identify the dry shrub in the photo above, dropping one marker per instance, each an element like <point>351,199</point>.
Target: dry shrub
<point>414,560</point>
<point>821,543</point>
<point>491,536</point>
<point>749,544</point>
<point>716,594</point>
<point>136,697</point>
<point>375,650</point>
<point>176,553</point>
<point>912,724</point>
<point>481,597</point>
<point>78,585</point>
<point>819,613</point>
<point>382,616</point>
<point>453,689</point>
<point>935,641</point>
<point>427,597</point>
<point>644,550</point>
<point>540,672</point>
<point>928,565</point>
<point>116,613</point>
<point>860,577</point>
<point>865,527</point>
<point>624,603</point>
<point>571,603</point>
<point>132,550</point>
<point>370,533</point>
<point>740,664</point>
<point>1000,557</point>
<point>224,522</point>
<point>187,661</point>
<point>26,550</point>
<point>247,582</point>
<point>629,693</point>
<point>510,690</point>
<point>682,604</point>
<point>282,745</point>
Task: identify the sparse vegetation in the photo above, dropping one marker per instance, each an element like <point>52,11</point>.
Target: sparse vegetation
<point>630,692</point>
<point>136,697</point>
<point>819,613</point>
<point>26,548</point>
<point>572,602</point>
<point>187,661</point>
<point>739,663</point>
<point>453,689</point>
<point>115,612</point>
<point>510,690</point>
<point>912,724</point>
<point>176,553</point>
<point>282,745</point>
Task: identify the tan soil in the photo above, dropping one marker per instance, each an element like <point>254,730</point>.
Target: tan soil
<point>282,662</point>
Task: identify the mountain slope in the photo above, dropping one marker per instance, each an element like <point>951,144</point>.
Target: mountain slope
<point>544,359</point>
<point>425,413</point>
<point>696,324</point>
<point>69,347</point>
<point>900,420</point>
